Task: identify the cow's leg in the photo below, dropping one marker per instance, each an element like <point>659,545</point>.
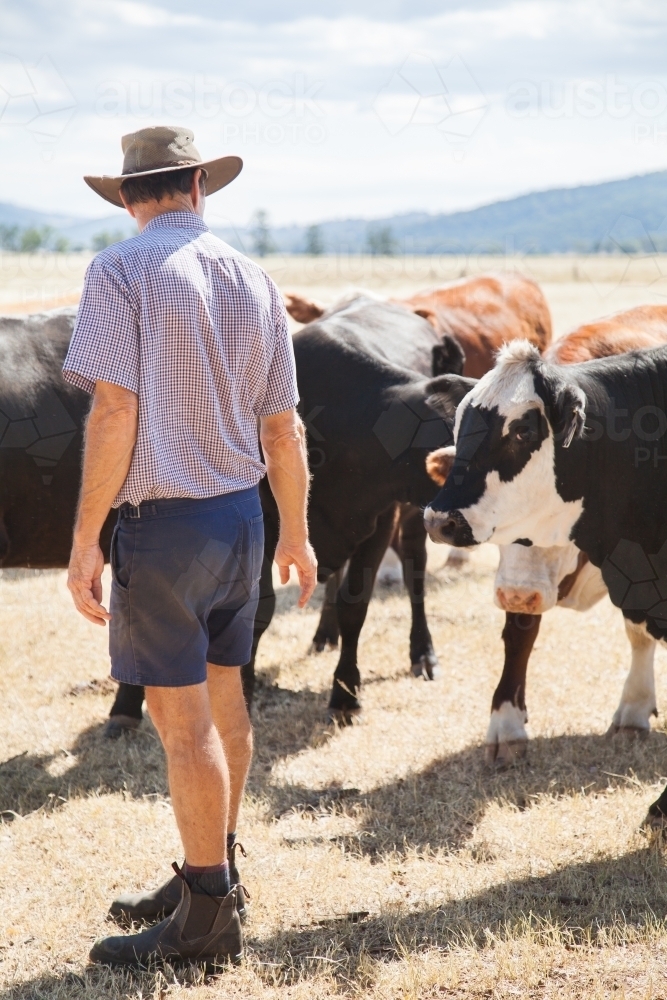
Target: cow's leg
<point>506,737</point>
<point>328,632</point>
<point>638,701</point>
<point>265,607</point>
<point>125,712</point>
<point>352,604</point>
<point>424,662</point>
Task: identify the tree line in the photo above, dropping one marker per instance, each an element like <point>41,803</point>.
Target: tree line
<point>380,240</point>
<point>32,239</point>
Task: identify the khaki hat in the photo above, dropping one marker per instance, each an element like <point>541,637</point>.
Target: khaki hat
<point>159,149</point>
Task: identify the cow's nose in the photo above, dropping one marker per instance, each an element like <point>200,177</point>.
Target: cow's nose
<point>519,600</point>
<point>448,526</point>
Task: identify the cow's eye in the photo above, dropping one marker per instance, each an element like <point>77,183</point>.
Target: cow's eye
<point>521,434</point>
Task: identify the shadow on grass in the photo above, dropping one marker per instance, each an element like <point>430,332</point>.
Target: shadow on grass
<point>285,721</point>
<point>602,902</point>
<point>95,765</point>
<point>435,807</point>
<point>440,805</point>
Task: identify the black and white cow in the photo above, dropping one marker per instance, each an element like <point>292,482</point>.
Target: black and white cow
<point>571,459</point>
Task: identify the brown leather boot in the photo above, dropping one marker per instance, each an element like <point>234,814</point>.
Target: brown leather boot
<point>147,907</point>
<point>202,928</point>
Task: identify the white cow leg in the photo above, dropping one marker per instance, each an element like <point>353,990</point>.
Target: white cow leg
<point>638,702</point>
<point>506,737</point>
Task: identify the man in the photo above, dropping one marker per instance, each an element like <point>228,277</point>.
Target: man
<point>185,346</point>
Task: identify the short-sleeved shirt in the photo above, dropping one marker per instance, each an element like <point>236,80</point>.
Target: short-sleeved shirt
<point>200,333</point>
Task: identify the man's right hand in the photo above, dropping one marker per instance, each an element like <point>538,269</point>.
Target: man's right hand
<point>84,581</point>
<point>303,558</point>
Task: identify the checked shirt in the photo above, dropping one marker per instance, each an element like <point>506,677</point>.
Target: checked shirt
<point>200,333</point>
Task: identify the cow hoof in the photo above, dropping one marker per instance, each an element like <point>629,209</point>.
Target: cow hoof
<point>505,753</point>
<point>343,716</point>
<point>116,725</point>
<point>427,666</point>
<point>630,732</point>
<point>319,645</point>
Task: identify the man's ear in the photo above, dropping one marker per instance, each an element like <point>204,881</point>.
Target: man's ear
<point>302,310</point>
<point>439,463</point>
<point>448,357</point>
<point>446,392</point>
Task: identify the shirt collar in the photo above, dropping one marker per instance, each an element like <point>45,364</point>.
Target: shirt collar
<point>180,220</point>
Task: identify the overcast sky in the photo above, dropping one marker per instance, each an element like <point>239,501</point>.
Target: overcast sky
<point>345,108</point>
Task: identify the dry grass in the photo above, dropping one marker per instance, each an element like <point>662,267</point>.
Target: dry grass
<point>384,859</point>
<point>578,288</point>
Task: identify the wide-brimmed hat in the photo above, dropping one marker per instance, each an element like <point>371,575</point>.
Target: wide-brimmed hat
<point>159,149</point>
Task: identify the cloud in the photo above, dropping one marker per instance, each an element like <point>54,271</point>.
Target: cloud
<point>330,105</point>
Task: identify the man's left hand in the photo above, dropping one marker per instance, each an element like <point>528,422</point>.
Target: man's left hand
<point>84,581</point>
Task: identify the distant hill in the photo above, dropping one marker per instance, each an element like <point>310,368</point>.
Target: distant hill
<point>77,233</point>
<point>625,215</point>
<point>629,215</point>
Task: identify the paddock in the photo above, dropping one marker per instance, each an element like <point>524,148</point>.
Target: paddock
<point>384,859</point>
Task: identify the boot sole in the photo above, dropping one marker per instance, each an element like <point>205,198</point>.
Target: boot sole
<point>144,965</point>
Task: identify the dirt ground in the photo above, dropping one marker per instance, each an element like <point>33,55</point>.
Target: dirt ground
<point>384,859</point>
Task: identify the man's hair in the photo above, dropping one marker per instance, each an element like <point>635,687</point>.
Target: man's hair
<point>162,185</point>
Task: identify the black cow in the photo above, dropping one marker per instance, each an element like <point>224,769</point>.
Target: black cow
<point>371,419</point>
<point>41,420</point>
<point>546,455</point>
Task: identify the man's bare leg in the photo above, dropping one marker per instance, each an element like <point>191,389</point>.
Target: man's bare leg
<point>231,719</point>
<point>197,768</point>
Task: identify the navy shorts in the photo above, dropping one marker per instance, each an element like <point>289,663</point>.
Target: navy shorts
<point>185,585</point>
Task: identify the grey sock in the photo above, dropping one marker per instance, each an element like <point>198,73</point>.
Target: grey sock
<point>210,881</point>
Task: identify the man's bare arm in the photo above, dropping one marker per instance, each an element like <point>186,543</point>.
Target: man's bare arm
<point>111,434</point>
<point>284,445</point>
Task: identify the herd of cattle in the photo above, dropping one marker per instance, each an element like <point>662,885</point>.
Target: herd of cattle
<point>449,413</point>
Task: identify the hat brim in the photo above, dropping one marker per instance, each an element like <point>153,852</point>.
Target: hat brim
<point>219,172</point>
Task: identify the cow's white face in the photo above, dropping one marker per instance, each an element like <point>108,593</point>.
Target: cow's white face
<point>528,577</point>
<point>502,486</point>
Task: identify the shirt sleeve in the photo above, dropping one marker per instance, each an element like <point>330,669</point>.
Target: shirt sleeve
<point>105,342</point>
<point>281,387</point>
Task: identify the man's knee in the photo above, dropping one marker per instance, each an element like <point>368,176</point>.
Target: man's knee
<point>180,713</point>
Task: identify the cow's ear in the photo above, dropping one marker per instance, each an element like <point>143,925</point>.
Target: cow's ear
<point>302,310</point>
<point>445,392</point>
<point>447,357</point>
<point>428,315</point>
<point>571,407</point>
<point>439,463</point>
<point>566,409</point>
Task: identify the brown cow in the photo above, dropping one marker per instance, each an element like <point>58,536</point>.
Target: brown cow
<point>480,314</point>
<point>531,580</point>
<point>639,328</point>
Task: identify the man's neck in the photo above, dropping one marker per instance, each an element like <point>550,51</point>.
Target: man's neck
<point>146,211</point>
